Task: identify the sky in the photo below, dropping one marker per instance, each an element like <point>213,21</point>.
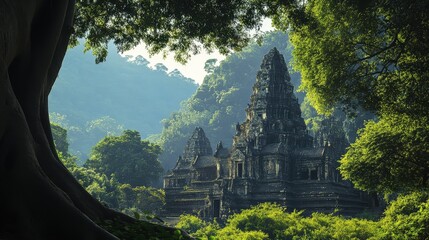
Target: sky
<point>195,66</point>
<point>193,69</point>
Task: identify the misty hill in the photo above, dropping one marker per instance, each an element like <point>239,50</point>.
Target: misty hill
<point>114,95</point>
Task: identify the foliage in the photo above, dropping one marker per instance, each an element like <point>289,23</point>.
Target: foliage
<point>137,200</point>
<point>103,126</point>
<point>141,199</point>
<point>232,234</point>
<point>201,229</point>
<point>60,138</point>
<point>191,223</point>
<point>83,136</point>
<point>68,160</point>
<point>180,27</point>
<point>390,155</point>
<point>350,124</point>
<point>99,185</point>
<point>210,65</point>
<point>265,217</point>
<point>407,217</point>
<point>127,157</point>
<point>362,54</point>
<point>271,221</point>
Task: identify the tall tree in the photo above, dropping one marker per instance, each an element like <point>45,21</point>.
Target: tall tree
<point>40,198</point>
<point>132,160</point>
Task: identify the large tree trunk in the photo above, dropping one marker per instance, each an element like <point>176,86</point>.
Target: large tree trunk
<point>39,198</point>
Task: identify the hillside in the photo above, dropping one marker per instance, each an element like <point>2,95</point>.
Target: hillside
<point>115,95</point>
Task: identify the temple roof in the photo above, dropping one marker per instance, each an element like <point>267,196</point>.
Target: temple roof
<point>197,145</point>
<point>204,161</point>
<point>182,165</point>
<point>273,59</point>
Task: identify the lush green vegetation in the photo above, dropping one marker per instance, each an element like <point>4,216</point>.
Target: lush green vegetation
<point>406,218</point>
<point>82,138</point>
<point>127,195</point>
<point>128,158</point>
<point>121,93</point>
<point>114,174</point>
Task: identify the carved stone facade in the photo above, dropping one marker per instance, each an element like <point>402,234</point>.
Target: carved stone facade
<point>272,159</point>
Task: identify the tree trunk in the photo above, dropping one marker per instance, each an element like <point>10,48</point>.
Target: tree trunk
<point>39,199</point>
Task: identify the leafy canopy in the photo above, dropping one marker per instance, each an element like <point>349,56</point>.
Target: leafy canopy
<point>60,138</point>
<point>182,27</point>
<point>271,221</point>
<point>390,155</point>
<point>405,218</point>
<point>130,159</point>
<point>134,201</point>
<point>370,54</point>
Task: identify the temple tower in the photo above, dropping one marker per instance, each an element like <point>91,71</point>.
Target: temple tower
<point>273,123</point>
<point>273,115</point>
<point>197,145</point>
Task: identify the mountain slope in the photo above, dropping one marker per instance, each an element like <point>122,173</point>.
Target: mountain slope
<point>131,94</point>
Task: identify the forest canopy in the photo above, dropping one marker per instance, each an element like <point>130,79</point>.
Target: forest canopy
<point>128,158</point>
<point>182,27</point>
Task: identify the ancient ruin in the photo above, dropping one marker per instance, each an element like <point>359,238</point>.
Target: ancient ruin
<point>272,158</point>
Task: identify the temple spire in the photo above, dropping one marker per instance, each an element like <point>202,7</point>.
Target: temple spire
<point>197,145</point>
<point>274,112</point>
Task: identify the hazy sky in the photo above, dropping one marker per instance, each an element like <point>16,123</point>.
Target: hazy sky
<point>195,67</point>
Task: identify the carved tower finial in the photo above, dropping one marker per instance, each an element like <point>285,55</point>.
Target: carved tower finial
<point>274,110</point>
<point>198,144</point>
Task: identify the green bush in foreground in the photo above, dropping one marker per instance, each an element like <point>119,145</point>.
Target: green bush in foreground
<point>406,218</point>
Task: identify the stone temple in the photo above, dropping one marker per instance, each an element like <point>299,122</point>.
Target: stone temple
<point>272,159</point>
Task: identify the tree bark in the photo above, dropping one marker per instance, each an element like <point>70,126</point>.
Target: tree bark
<point>40,199</point>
